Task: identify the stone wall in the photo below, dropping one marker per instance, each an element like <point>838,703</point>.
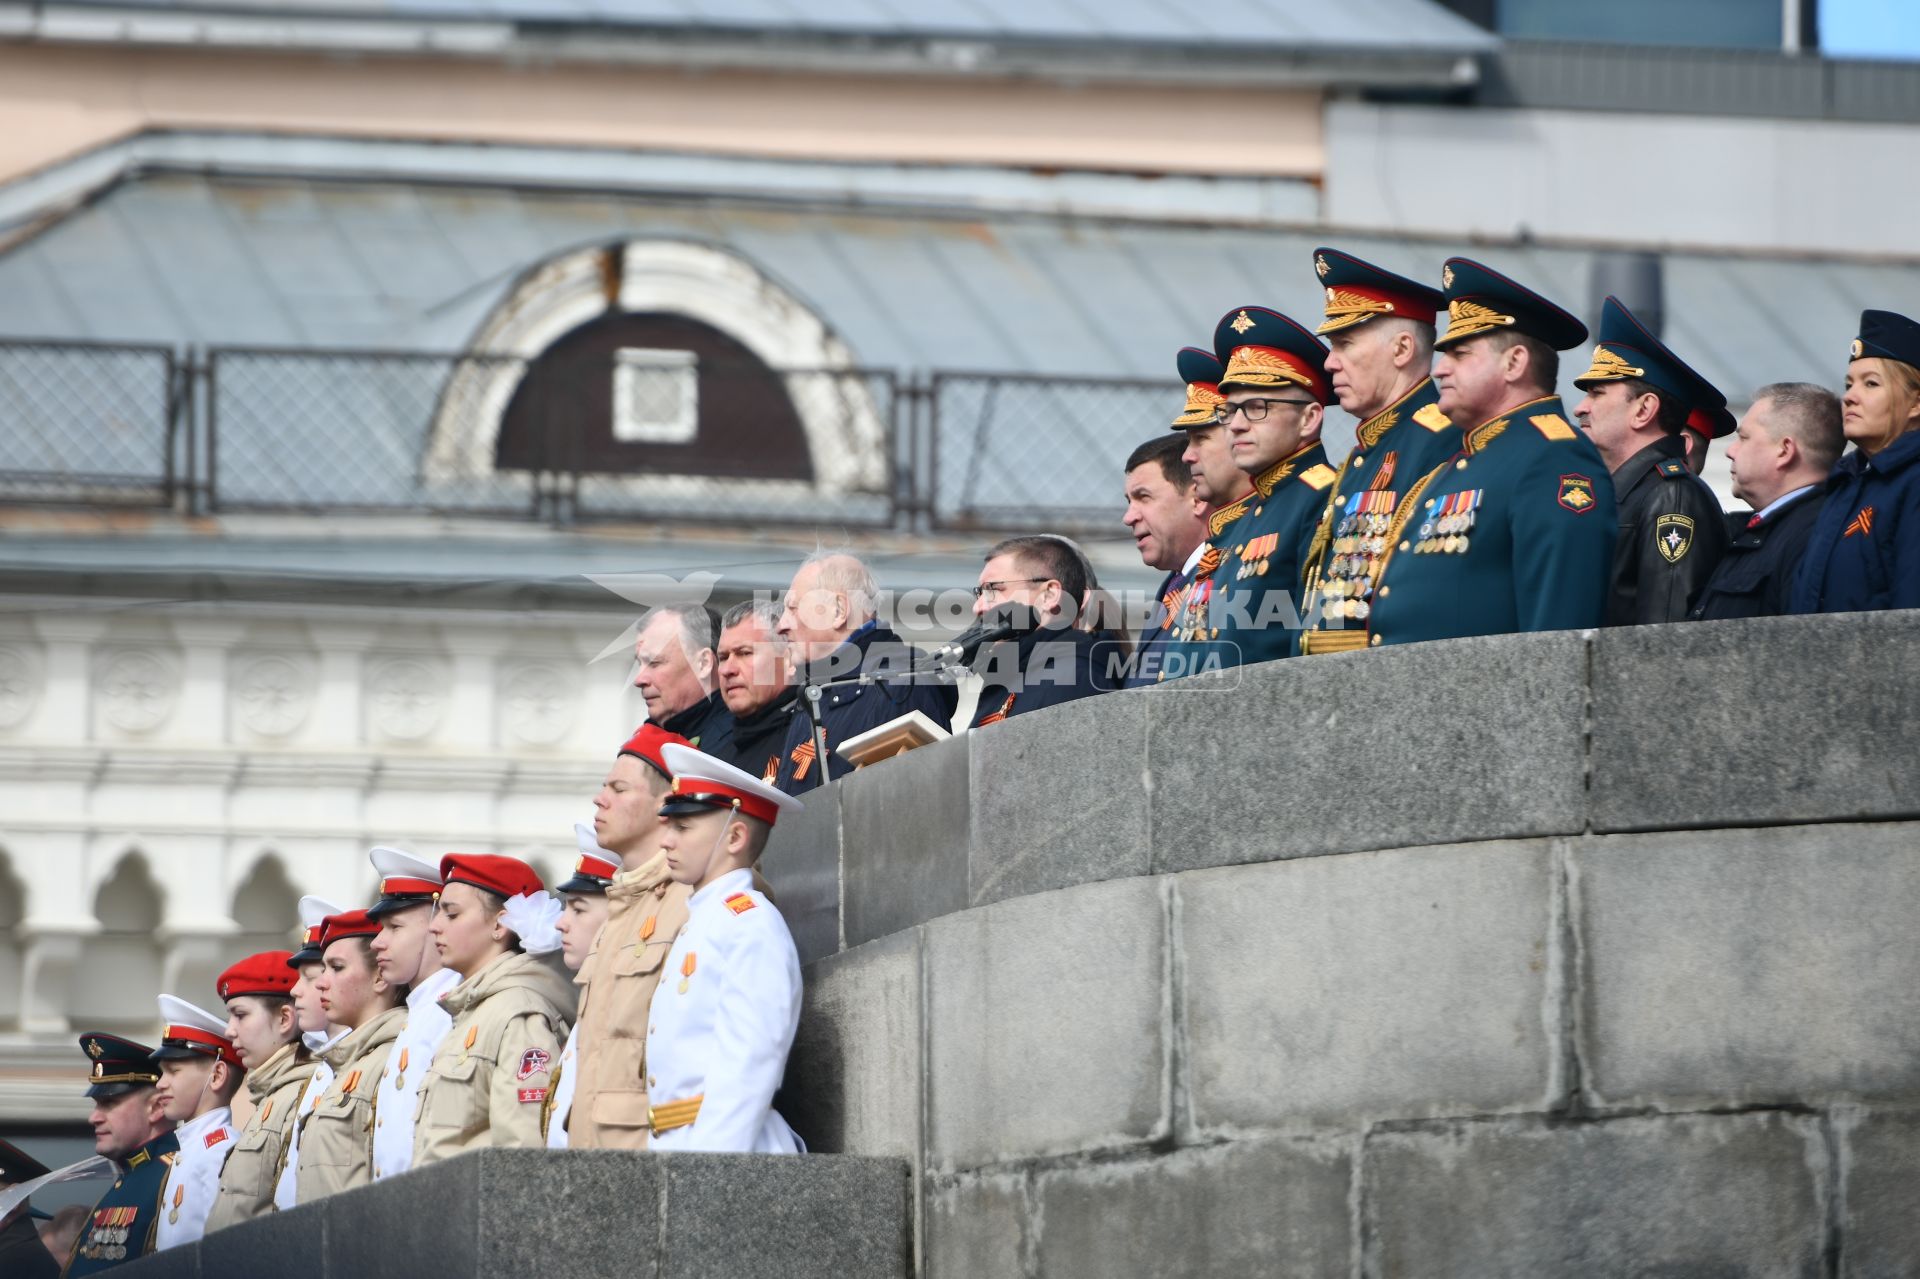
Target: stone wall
<point>581,1214</point>
<point>1537,955</point>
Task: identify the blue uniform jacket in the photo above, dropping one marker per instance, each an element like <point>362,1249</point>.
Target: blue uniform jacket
<point>1514,534</point>
<point>1865,549</point>
<point>1254,612</point>
<point>120,1227</point>
<point>851,709</point>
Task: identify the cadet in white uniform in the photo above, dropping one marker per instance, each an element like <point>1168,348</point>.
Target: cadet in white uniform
<point>199,1074</point>
<point>728,1003</point>
<point>585,896</point>
<point>316,1035</point>
<point>405,956</point>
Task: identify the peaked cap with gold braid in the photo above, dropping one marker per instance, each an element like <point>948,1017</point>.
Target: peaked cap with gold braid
<point>1201,370</point>
<point>1628,349</point>
<point>1263,348</point>
<point>1480,300</point>
<point>1358,291</point>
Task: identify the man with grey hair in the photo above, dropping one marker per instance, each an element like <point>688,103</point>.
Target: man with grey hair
<point>756,682</point>
<point>1780,457</point>
<point>675,675</point>
<point>829,619</point>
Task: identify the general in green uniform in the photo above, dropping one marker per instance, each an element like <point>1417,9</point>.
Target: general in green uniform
<point>1229,497</point>
<point>120,1227</point>
<point>1516,533</point>
<point>1380,327</point>
<point>1276,389</point>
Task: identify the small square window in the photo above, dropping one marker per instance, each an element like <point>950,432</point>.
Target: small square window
<point>656,396</point>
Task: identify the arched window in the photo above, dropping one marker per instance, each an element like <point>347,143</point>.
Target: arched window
<point>648,366</point>
<point>266,907</point>
<point>119,972</point>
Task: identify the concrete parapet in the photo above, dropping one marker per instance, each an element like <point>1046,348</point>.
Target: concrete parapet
<point>582,1215</point>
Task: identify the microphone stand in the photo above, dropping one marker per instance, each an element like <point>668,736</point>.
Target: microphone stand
<point>939,662</point>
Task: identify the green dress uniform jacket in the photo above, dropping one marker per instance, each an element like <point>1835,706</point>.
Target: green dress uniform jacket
<point>1392,450</point>
<point>120,1227</point>
<point>1516,533</point>
<point>1255,606</point>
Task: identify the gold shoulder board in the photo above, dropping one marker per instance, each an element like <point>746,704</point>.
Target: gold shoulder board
<point>1430,416</point>
<point>1319,475</point>
<point>1553,426</point>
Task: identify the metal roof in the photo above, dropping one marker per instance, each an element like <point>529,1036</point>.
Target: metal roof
<point>1278,24</point>
<point>193,258</point>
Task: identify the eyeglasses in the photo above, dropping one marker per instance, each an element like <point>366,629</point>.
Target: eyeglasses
<point>999,588</point>
<point>1255,410</point>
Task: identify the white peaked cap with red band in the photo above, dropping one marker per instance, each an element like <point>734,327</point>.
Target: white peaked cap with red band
<point>313,910</point>
<point>402,873</point>
<point>701,781</point>
<point>189,1026</point>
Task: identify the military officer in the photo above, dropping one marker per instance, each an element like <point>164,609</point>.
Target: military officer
<point>1516,532</point>
<point>406,958</point>
<point>1276,390</point>
<point>720,1025</point>
<point>261,1023</point>
<point>1227,492</point>
<point>1379,327</point>
<point>1865,548</point>
<point>336,1146</point>
<point>318,1035</point>
<point>1672,531</point>
<point>585,900</point>
<point>199,1074</point>
<point>128,1129</point>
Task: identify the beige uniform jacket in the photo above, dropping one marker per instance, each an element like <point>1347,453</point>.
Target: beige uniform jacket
<point>488,1082</point>
<point>253,1166</point>
<point>336,1137</point>
<point>645,912</point>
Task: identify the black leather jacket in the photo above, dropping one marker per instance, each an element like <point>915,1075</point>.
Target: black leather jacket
<point>1672,534</point>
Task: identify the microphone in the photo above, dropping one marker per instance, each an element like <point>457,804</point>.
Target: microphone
<point>1000,623</point>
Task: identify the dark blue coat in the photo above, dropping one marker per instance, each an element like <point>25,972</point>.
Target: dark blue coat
<point>1865,550</point>
<point>1044,668</point>
<point>1755,577</point>
<point>120,1227</point>
<point>851,709</point>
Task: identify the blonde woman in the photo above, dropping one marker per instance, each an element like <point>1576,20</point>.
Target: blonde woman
<point>1865,549</point>
<point>511,1011</point>
<point>336,1138</point>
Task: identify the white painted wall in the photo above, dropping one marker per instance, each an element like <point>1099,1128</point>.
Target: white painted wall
<point>168,754</point>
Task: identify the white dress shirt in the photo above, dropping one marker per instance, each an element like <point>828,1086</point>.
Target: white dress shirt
<point>187,1196</point>
<point>563,1091</point>
<point>722,1020</point>
<point>317,1042</point>
<point>407,1061</point>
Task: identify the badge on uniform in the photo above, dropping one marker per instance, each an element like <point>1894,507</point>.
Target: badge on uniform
<point>533,1062</point>
<point>1576,493</point>
<point>1673,535</point>
<point>687,967</point>
<point>740,903</point>
<point>1861,524</point>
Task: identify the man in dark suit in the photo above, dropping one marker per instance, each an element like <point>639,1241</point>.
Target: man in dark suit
<point>1780,457</point>
<point>830,621</point>
<point>756,682</point>
<point>1168,520</point>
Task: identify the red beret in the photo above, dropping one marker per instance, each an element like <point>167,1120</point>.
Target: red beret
<point>646,743</point>
<point>266,973</point>
<point>507,876</point>
<point>349,923</point>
